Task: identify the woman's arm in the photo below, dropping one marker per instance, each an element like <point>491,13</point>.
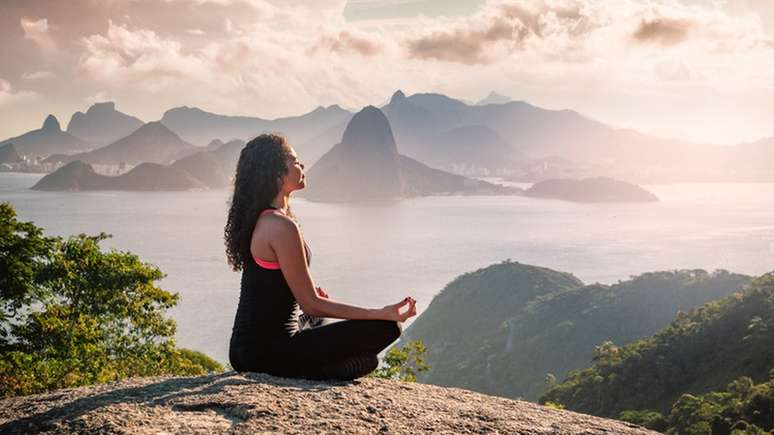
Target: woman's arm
<point>288,246</point>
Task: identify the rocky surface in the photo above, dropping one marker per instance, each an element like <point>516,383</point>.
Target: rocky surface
<point>259,403</point>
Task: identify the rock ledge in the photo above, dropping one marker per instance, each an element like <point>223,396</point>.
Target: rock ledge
<point>255,402</point>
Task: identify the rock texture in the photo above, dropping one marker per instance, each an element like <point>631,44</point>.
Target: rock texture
<point>259,403</point>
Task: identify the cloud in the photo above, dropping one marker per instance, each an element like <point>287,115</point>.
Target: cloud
<point>501,29</point>
<point>38,31</point>
<point>349,41</point>
<point>9,96</point>
<point>137,57</point>
<point>664,31</point>
<point>38,75</point>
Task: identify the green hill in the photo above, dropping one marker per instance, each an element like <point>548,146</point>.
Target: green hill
<point>458,326</point>
<point>508,328</point>
<point>699,352</point>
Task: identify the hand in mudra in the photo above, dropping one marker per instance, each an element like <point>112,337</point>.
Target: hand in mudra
<point>393,312</point>
<point>321,293</point>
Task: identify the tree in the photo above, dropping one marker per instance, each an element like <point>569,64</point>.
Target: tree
<point>23,249</point>
<point>74,315</point>
<point>403,364</point>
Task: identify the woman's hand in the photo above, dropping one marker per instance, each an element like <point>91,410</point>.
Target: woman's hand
<point>321,293</point>
<point>392,312</point>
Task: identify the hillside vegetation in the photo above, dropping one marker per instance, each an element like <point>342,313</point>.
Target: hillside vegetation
<point>512,329</point>
<point>699,352</point>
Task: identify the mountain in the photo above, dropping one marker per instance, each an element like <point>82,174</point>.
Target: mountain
<point>152,176</point>
<point>590,190</point>
<point>751,161</point>
<point>366,165</point>
<point>8,154</point>
<point>494,98</point>
<point>206,167</point>
<point>153,143</point>
<point>463,318</point>
<point>200,127</point>
<point>594,148</point>
<point>228,153</point>
<point>49,139</point>
<point>506,328</point>
<point>471,149</point>
<point>701,351</point>
<point>77,176</point>
<point>102,124</point>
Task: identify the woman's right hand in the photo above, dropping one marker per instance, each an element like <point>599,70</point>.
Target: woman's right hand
<point>392,312</point>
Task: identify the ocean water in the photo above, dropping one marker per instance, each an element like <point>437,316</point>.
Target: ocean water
<point>375,254</point>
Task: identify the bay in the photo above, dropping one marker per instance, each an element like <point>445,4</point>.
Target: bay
<point>375,254</point>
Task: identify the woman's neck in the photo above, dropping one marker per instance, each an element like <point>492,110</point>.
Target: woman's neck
<point>280,202</point>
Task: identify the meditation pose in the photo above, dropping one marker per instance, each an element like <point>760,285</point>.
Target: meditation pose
<point>263,240</point>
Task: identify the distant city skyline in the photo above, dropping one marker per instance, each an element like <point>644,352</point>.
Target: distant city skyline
<point>687,69</point>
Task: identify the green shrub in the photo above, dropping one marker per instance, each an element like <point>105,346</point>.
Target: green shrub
<point>403,363</point>
<point>72,314</point>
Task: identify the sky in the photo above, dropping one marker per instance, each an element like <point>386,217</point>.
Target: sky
<point>699,70</point>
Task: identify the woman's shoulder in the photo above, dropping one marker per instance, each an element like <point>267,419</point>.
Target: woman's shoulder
<point>278,221</point>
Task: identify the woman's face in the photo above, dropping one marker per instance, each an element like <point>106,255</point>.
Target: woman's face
<point>294,179</point>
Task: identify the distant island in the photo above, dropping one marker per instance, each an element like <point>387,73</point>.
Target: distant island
<point>200,168</point>
<point>590,190</point>
<point>77,175</point>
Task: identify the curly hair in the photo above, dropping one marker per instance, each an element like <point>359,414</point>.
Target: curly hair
<point>262,164</point>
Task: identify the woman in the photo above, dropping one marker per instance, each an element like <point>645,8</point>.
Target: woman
<point>264,242</point>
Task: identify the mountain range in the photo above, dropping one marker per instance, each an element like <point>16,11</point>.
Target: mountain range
<point>493,137</point>
<point>152,142</point>
<point>198,170</point>
<point>48,139</point>
<point>200,127</point>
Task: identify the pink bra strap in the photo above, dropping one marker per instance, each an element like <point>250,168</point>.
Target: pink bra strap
<point>267,264</point>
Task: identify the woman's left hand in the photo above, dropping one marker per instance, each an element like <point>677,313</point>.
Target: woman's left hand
<point>321,293</point>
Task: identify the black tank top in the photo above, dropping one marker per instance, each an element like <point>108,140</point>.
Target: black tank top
<point>267,309</point>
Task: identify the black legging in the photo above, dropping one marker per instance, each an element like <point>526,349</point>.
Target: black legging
<point>334,350</point>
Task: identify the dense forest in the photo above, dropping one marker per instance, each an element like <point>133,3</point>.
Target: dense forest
<point>512,329</point>
<point>699,371</point>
